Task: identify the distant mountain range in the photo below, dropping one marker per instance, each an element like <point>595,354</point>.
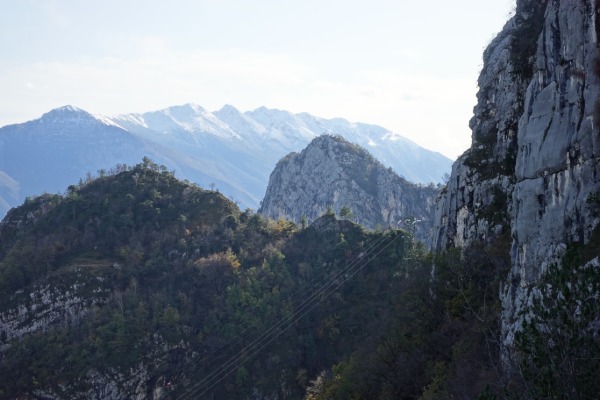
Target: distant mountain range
<point>232,151</point>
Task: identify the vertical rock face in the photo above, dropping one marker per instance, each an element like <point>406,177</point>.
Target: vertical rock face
<point>332,172</point>
<point>532,170</point>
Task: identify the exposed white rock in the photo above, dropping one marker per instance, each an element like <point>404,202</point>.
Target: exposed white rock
<point>332,172</point>
<point>48,304</point>
<point>534,141</point>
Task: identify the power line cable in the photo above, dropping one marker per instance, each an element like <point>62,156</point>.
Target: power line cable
<point>306,286</point>
<point>267,337</point>
<point>347,278</point>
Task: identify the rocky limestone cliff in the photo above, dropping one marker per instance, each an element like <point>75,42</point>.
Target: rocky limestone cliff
<point>333,173</point>
<point>532,169</point>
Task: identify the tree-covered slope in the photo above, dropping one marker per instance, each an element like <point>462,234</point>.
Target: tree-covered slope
<point>135,285</point>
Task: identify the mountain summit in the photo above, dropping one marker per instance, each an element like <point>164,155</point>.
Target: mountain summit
<point>73,116</point>
<point>332,173</point>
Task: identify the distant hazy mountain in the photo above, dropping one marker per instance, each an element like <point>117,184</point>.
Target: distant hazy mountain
<point>233,151</point>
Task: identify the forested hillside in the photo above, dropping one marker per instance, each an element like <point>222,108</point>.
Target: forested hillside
<point>137,285</point>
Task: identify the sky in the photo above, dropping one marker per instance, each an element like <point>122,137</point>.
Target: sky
<point>409,66</point>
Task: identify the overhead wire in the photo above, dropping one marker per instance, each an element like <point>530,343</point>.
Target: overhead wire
<point>268,336</point>
<point>295,319</point>
<point>303,288</point>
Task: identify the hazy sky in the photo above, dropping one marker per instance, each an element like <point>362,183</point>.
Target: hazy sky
<point>410,66</point>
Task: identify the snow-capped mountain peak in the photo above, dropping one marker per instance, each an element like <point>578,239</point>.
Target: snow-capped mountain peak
<point>66,113</point>
<point>73,115</point>
<point>228,109</point>
<point>189,121</point>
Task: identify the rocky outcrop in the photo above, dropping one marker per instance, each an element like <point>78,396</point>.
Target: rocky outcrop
<point>111,384</point>
<point>532,171</point>
<point>48,305</point>
<point>333,173</point>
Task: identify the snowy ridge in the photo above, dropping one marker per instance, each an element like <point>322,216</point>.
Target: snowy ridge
<point>73,115</point>
<point>280,132</point>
